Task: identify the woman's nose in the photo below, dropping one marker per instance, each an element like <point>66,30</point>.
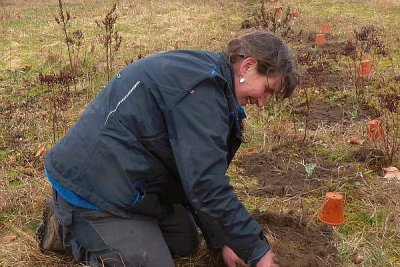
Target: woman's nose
<point>261,100</point>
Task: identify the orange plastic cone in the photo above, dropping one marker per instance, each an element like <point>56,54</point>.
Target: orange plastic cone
<point>296,14</point>
<point>332,211</point>
<point>326,28</point>
<point>375,130</point>
<point>365,67</point>
<point>320,39</point>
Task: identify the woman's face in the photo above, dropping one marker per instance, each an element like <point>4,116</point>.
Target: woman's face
<point>256,88</point>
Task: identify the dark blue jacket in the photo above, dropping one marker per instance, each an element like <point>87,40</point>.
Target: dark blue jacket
<point>163,130</point>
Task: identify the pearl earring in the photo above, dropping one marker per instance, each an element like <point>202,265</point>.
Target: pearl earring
<point>242,79</point>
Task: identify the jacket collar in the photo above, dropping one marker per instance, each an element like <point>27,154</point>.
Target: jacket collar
<point>236,112</point>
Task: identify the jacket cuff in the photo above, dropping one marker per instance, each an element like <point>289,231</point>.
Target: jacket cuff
<point>258,252</point>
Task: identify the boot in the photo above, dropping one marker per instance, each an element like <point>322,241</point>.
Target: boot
<point>48,229</point>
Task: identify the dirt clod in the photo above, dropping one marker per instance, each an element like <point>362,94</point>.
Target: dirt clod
<point>297,241</point>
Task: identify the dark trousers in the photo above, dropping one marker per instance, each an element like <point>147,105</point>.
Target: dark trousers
<point>102,239</point>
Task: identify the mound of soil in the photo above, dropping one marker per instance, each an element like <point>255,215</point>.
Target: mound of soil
<point>298,242</point>
<point>280,173</point>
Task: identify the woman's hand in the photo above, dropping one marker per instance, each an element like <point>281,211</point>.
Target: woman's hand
<point>230,257</point>
<point>232,260</point>
<point>268,260</point>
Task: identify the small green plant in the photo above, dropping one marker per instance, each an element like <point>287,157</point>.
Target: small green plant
<point>111,39</point>
<point>309,168</point>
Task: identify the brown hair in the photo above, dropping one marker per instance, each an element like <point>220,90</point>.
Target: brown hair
<point>272,54</point>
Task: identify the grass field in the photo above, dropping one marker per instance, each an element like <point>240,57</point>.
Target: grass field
<point>299,149</point>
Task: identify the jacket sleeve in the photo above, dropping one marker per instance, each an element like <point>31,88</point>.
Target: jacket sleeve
<point>198,127</point>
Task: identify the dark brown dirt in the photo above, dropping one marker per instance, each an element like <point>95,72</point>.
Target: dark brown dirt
<point>280,172</point>
<point>297,242</point>
<point>323,75</point>
<point>374,158</point>
<point>339,111</point>
<point>321,64</point>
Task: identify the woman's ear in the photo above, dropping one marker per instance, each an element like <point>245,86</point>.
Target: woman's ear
<point>247,63</point>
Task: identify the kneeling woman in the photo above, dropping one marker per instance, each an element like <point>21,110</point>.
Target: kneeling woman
<point>145,165</point>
